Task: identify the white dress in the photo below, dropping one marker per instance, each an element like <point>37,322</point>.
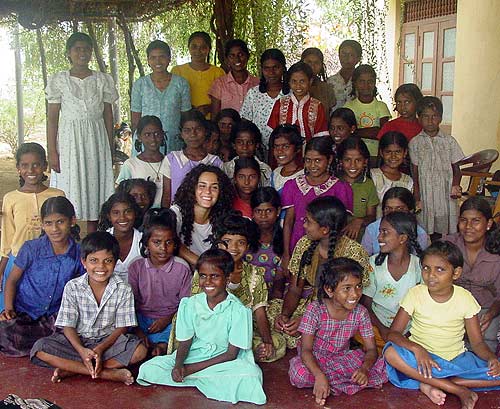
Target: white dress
<point>135,168</point>
<point>82,141</point>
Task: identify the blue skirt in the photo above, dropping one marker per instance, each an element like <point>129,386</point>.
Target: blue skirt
<point>466,365</point>
<point>6,273</point>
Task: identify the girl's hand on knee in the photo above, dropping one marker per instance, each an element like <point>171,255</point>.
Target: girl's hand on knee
<point>494,367</point>
<point>321,389</point>
<point>425,363</point>
<point>178,374</point>
<point>360,376</point>
<point>7,315</point>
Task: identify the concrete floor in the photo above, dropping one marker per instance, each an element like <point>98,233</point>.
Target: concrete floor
<point>20,377</point>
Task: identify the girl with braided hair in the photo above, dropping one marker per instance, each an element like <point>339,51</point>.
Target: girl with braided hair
<point>203,197</point>
<point>325,218</point>
<point>394,271</point>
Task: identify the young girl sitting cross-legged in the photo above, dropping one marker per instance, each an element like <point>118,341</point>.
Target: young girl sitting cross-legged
<point>214,331</point>
<point>96,311</point>
<point>434,359</point>
<point>324,359</point>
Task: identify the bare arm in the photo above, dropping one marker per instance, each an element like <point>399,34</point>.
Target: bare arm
<point>456,189</point>
<point>3,264</point>
<point>360,375</point>
<point>229,355</point>
<point>87,355</point>
<point>287,236</point>
<point>135,117</point>
<point>108,123</point>
<point>188,255</point>
<point>166,198</point>
<point>214,106</point>
<point>416,184</point>
<point>354,227</point>
<point>10,293</point>
<point>321,388</point>
<point>368,133</point>
<point>52,130</point>
<point>367,302</point>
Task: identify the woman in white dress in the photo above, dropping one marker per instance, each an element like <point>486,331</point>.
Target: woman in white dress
<point>79,134</point>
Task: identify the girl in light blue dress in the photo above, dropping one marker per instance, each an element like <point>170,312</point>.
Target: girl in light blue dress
<point>161,94</point>
<point>214,331</point>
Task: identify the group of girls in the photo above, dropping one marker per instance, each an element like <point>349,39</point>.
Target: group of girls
<point>306,195</point>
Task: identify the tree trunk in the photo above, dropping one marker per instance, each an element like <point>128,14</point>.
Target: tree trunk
<point>222,24</point>
<point>19,87</point>
<point>130,57</point>
<point>113,64</point>
<point>97,50</point>
<point>43,63</point>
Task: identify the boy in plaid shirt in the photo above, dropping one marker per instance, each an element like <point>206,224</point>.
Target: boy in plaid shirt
<point>96,310</point>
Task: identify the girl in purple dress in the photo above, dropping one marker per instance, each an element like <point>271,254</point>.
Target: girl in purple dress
<point>315,182</point>
<point>324,360</point>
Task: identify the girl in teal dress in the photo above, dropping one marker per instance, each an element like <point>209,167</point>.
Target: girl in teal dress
<point>214,331</point>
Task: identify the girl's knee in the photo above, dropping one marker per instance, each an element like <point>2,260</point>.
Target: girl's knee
<point>140,354</point>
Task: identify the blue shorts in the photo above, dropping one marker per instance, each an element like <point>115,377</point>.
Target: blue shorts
<point>467,365</point>
<point>145,323</point>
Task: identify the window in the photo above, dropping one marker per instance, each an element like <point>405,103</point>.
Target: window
<point>428,59</point>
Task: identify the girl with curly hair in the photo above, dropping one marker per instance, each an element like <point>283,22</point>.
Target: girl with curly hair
<point>203,197</point>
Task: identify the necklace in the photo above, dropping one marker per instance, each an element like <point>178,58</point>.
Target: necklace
<point>157,171</point>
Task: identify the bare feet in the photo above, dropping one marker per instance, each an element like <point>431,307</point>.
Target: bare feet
<point>260,352</point>
<point>60,374</point>
<point>159,349</point>
<point>436,395</point>
<point>468,398</point>
<point>121,375</point>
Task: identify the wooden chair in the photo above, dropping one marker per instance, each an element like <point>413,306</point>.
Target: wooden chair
<point>478,180</point>
<point>480,161</point>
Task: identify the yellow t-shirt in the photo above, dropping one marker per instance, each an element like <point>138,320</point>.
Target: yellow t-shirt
<point>21,219</point>
<point>199,81</point>
<point>439,327</point>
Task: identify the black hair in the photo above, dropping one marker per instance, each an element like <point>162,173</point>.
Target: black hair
<point>478,203</point>
<point>143,122</point>
<point>61,205</point>
<point>288,131</point>
<point>219,258</point>
<point>34,148</point>
<point>347,115</point>
<point>409,89</point>
<point>246,126</point>
<point>445,249</point>
<point>97,241</point>
<point>246,163</point>
<point>403,223</point>
<point>429,102</point>
<point>317,52</point>
<point>159,45</point>
<point>206,39</point>
<point>149,186</point>
<point>212,127</point>
<point>299,67</point>
<point>354,45</point>
<point>402,194</point>
<point>104,223</point>
<point>185,198</point>
<point>235,224</point>
<point>269,194</point>
<point>163,219</point>
<point>332,273</point>
<point>236,43</point>
<point>195,116</point>
<point>327,211</point>
<point>321,144</point>
<point>393,138</point>
<point>277,55</point>
<point>228,113</point>
<point>354,143</point>
<point>358,71</point>
<point>75,37</point>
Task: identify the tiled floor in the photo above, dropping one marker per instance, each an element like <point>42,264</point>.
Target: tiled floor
<point>26,380</point>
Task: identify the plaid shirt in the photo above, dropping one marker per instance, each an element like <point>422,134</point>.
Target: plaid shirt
<point>331,335</point>
<point>79,308</point>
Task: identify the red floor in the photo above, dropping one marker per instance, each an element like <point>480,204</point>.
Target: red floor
<point>20,377</point>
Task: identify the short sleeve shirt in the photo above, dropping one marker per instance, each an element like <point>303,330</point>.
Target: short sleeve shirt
<point>439,327</point>
<point>364,195</point>
<point>229,92</point>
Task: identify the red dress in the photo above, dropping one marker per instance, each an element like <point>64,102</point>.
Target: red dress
<point>408,128</point>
